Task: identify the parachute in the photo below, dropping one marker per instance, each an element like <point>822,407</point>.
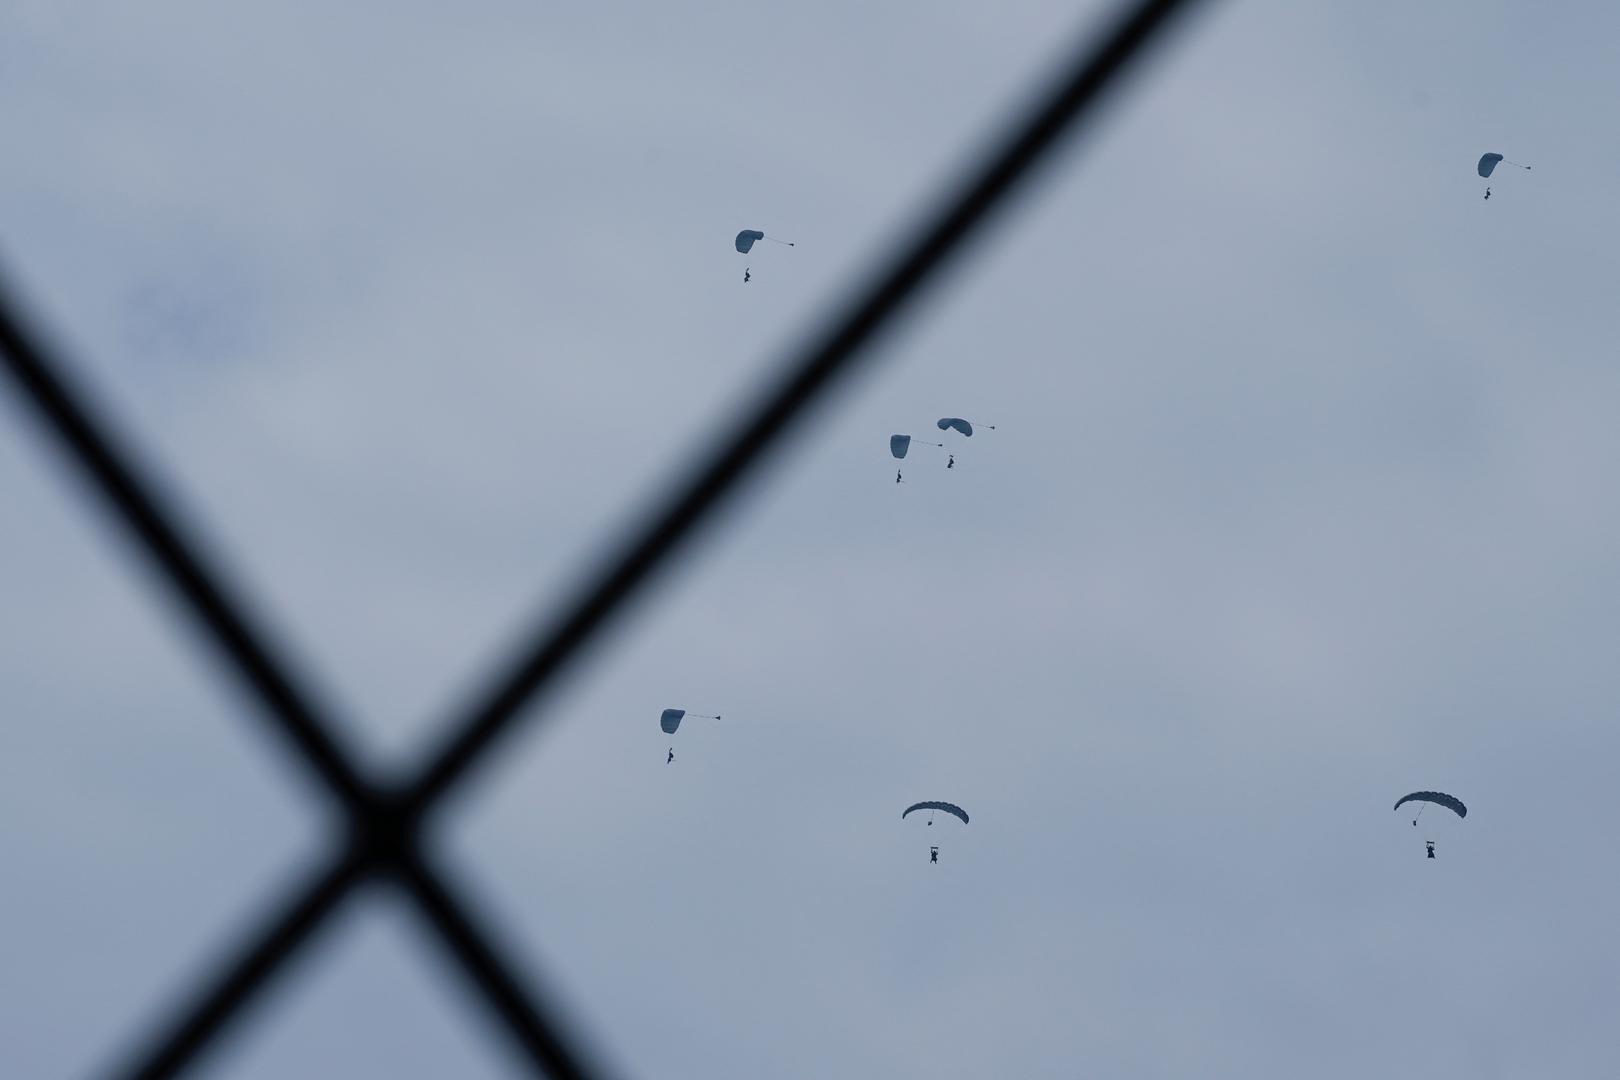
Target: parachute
<point>899,444</point>
<point>746,238</point>
<point>956,423</point>
<point>670,719</point>
<point>949,808</point>
<point>1439,798</point>
<point>1486,164</point>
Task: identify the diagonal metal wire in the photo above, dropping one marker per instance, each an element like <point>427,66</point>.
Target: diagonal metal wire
<point>385,845</point>
<point>111,469</point>
<point>385,828</point>
<point>538,1035</point>
<point>214,1002</point>
<point>384,838</point>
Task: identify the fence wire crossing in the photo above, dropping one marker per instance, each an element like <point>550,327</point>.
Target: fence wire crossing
<point>385,815</point>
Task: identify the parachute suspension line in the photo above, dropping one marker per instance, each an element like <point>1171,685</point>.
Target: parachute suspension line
<point>789,243</point>
<point>1515,164</point>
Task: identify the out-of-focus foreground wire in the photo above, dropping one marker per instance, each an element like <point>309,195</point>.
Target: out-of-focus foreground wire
<point>382,841</point>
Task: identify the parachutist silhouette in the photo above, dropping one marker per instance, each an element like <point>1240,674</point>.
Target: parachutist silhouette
<point>1487,193</point>
<point>747,273</point>
<point>951,464</point>
<point>1430,843</point>
<point>671,756</point>
<point>933,854</point>
<point>897,476</point>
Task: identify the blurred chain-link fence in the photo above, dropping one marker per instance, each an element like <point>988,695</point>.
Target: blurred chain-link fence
<point>385,815</point>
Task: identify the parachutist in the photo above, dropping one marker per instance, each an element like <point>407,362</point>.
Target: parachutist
<point>933,854</point>
<point>747,273</point>
<point>951,464</point>
<point>1430,843</point>
<point>671,756</point>
<point>897,477</point>
<point>1487,193</point>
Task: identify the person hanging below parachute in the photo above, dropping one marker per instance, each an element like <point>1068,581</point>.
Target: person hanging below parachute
<point>900,445</point>
<point>1438,798</point>
<point>670,720</point>
<point>1488,164</point>
<point>745,244</point>
<point>942,807</point>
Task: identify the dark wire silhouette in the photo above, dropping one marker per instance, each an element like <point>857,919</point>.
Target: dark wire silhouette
<point>384,818</point>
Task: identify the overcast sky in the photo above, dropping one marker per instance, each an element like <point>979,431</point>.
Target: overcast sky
<point>1300,497</point>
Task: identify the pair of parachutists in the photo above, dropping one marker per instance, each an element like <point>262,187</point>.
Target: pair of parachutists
<point>670,722</point>
<point>1422,798</point>
<point>900,445</point>
<point>1487,165</point>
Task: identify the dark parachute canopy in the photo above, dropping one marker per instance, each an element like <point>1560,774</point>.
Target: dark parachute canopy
<point>956,423</point>
<point>746,238</point>
<point>949,808</point>
<point>899,444</point>
<point>671,719</point>
<point>1439,798</point>
<point>1489,162</point>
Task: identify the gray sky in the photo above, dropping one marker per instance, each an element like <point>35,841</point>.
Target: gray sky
<point>1298,501</point>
